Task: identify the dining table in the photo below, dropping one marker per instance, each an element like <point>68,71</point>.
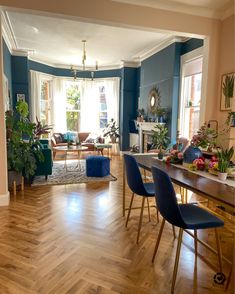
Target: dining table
<point>221,193</point>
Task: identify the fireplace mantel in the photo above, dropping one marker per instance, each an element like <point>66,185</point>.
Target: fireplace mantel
<point>145,128</point>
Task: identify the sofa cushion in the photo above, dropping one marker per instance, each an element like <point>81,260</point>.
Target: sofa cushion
<point>92,138</point>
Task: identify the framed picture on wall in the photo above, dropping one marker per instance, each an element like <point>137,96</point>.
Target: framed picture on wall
<point>227,91</point>
<point>20,97</point>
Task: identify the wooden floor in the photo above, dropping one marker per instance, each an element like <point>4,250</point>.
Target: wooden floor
<point>72,239</point>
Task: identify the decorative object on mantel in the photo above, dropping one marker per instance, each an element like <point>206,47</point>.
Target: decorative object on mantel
<point>160,139</point>
<point>227,91</point>
<point>140,114</point>
<point>84,69</point>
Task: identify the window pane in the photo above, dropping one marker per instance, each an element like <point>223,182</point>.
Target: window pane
<point>73,96</point>
<point>103,108</point>
<point>45,102</point>
<point>73,121</point>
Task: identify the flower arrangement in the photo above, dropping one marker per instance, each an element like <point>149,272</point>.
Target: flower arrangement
<point>198,164</point>
<point>205,138</point>
<point>175,157</point>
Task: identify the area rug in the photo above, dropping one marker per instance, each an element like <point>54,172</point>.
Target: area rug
<point>73,175</point>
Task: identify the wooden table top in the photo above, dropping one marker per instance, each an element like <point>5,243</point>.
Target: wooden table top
<point>206,187</point>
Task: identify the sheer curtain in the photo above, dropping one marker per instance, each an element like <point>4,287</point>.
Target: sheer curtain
<point>112,86</point>
<point>89,106</point>
<point>35,94</point>
<point>59,106</point>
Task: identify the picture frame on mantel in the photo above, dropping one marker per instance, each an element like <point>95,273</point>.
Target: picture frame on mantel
<point>20,97</point>
<point>227,91</point>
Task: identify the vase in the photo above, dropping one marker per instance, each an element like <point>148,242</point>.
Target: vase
<point>160,155</point>
<point>222,176</point>
<point>190,154</point>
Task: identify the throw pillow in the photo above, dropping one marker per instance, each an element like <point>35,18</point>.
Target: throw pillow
<point>92,138</point>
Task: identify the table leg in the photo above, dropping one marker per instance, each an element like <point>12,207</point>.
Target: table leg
<point>65,161</point>
<point>124,190</point>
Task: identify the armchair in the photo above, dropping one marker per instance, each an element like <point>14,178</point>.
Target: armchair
<point>44,168</point>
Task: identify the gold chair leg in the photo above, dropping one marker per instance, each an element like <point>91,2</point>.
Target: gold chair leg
<point>140,221</point>
<point>158,239</point>
<point>157,215</point>
<point>148,209</point>
<point>218,249</point>
<point>177,260</point>
<point>129,211</point>
<point>229,276</point>
<point>195,243</point>
<point>173,229</point>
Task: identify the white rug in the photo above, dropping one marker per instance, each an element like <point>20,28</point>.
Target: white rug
<point>73,175</point>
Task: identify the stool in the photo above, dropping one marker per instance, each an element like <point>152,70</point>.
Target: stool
<point>97,166</point>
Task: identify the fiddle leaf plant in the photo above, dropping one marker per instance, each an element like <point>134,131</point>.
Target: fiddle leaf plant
<point>23,149</point>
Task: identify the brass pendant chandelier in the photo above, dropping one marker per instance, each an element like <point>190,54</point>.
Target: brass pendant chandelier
<point>75,71</point>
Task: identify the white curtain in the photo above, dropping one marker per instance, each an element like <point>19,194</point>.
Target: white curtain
<point>89,106</point>
<point>35,93</point>
<point>59,106</point>
<point>112,86</point>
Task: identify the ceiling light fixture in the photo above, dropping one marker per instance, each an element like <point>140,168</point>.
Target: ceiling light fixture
<point>75,71</point>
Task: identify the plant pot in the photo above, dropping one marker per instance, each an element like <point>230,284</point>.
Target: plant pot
<point>190,154</point>
<point>113,139</point>
<point>160,155</point>
<point>14,176</point>
<point>222,176</point>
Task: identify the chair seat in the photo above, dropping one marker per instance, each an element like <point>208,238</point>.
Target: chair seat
<point>149,187</point>
<point>197,218</point>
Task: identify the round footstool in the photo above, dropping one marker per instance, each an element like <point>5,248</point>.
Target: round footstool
<point>97,166</point>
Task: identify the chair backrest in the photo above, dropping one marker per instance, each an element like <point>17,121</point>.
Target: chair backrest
<point>166,198</point>
<point>133,175</point>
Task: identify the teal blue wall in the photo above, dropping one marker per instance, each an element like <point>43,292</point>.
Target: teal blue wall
<point>20,77</point>
<point>162,70</point>
<point>7,66</point>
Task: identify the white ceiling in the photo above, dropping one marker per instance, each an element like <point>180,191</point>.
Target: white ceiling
<point>59,41</point>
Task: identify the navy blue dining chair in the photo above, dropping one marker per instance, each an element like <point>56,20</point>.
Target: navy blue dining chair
<point>138,187</point>
<point>184,216</point>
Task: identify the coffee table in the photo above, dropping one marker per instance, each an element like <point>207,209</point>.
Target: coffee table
<point>71,149</point>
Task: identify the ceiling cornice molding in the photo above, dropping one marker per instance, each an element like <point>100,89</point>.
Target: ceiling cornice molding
<point>228,12</point>
<point>105,67</point>
<point>141,56</point>
<point>174,7</point>
<point>7,32</point>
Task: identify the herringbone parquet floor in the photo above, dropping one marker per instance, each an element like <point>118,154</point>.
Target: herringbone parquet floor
<point>72,239</point>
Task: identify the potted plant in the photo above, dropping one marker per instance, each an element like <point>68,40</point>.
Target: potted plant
<point>224,157</point>
<point>160,139</point>
<point>41,129</point>
<point>23,149</point>
<point>140,114</point>
<point>111,130</point>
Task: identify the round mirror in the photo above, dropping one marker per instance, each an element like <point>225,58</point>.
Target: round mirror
<point>152,101</point>
<point>154,98</point>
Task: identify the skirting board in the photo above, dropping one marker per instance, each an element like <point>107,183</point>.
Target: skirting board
<point>4,199</point>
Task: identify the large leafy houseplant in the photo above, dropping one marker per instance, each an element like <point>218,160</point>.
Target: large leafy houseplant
<point>111,130</point>
<point>23,148</point>
<point>160,139</point>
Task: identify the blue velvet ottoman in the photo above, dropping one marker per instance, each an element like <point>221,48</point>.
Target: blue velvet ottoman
<point>97,166</point>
